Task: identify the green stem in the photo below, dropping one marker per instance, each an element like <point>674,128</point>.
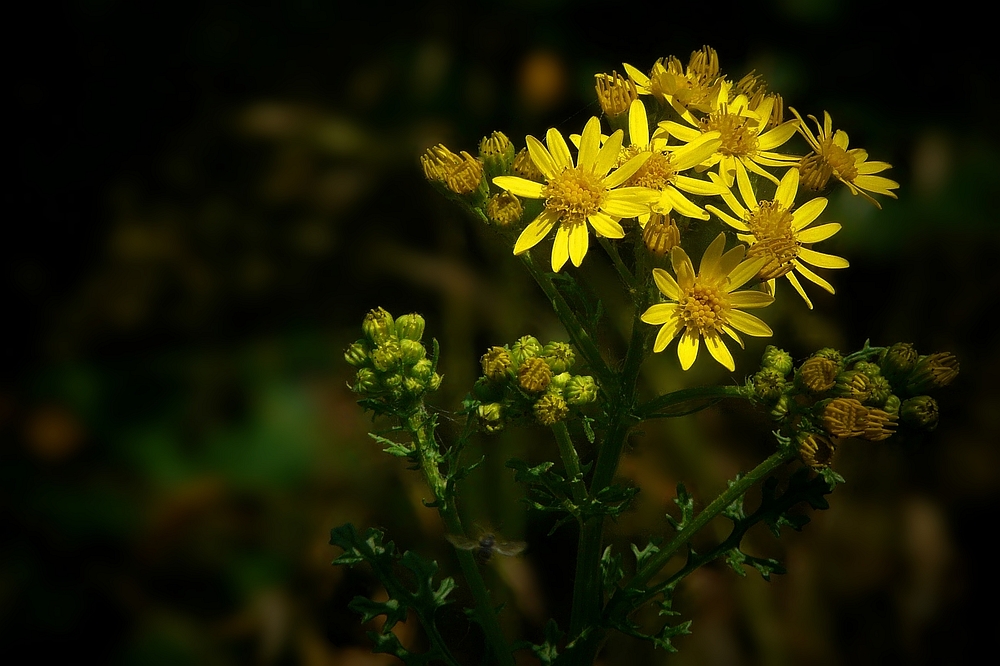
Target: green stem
<point>420,426</point>
<point>571,461</point>
<point>623,272</point>
<point>651,408</point>
<point>587,586</point>
<point>578,335</point>
<point>623,603</point>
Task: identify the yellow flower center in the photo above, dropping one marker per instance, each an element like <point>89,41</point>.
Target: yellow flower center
<point>703,307</point>
<point>838,158</point>
<point>771,226</point>
<point>655,173</point>
<point>739,136</point>
<point>575,194</point>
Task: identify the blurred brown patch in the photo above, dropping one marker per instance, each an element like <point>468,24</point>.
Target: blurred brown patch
<point>53,433</point>
<point>542,81</point>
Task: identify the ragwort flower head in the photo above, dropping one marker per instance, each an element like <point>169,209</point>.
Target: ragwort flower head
<point>706,304</point>
<point>830,157</point>
<point>777,233</point>
<point>578,195</point>
<point>694,87</point>
<point>745,145</point>
<point>662,170</point>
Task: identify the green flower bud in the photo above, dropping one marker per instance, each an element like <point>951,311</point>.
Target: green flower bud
<point>892,404</point>
<point>496,363</point>
<point>422,370</point>
<point>817,374</point>
<point>853,384</point>
<point>881,389</point>
<point>357,353</point>
<point>776,359</point>
<point>497,153</point>
<point>393,383</point>
<point>534,375</point>
<point>504,209</point>
<point>769,384</point>
<point>490,416</point>
<point>413,386</point>
<point>580,390</point>
<point>921,412</point>
<point>559,356</point>
<point>378,326</point>
<point>550,409</point>
<point>434,383</point>
<point>525,348</point>
<point>815,450</point>
<point>845,417</point>
<point>559,381</point>
<point>933,371</point>
<point>898,361</point>
<point>780,409</point>
<point>365,382</point>
<point>830,353</point>
<point>387,355</point>
<point>870,370</point>
<point>410,327</point>
<point>411,351</point>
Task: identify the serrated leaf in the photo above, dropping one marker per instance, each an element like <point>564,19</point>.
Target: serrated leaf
<point>588,429</point>
<point>612,572</point>
<point>651,549</point>
<point>686,504</point>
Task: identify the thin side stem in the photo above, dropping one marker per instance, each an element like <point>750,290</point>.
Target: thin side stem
<point>623,272</point>
<point>666,400</point>
<point>429,458</point>
<point>578,335</point>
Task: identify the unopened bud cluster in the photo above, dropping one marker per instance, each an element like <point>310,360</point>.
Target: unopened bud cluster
<point>527,380</point>
<point>827,398</point>
<point>393,369</point>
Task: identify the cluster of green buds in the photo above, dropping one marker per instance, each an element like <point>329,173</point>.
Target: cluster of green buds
<point>866,394</point>
<point>528,381</point>
<point>394,371</point>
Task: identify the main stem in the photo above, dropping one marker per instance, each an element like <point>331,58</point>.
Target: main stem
<point>423,433</point>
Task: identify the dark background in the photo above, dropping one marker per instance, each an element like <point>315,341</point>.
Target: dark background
<point>207,198</point>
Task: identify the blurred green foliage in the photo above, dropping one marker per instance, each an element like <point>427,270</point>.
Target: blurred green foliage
<point>213,195</point>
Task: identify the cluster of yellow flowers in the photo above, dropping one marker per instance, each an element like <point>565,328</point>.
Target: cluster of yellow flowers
<point>684,134</point>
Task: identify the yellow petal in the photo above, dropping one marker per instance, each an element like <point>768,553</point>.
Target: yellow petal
<point>777,136</point>
<point>625,171</point>
<point>558,149</point>
<point>807,212</point>
<point>746,190</point>
<point>660,313</point>
<point>812,277</point>
<point>745,272</point>
<point>696,186</point>
<point>817,234</point>
<point>873,167</point>
<point>675,200</point>
<point>560,248</point>
<point>520,186</point>
<point>687,349</point>
<point>798,287</point>
<point>717,348</point>
<point>667,333</point>
<point>747,323</point>
<point>683,268</point>
<point>536,231</point>
<point>731,260</point>
<point>541,157</point>
<point>728,219</point>
<point>624,205</point>
<point>821,259</point>
<point>685,134</point>
<point>877,184</point>
<point>666,284</point>
<point>638,124</point>
<point>579,239</point>
<point>749,299</point>
<point>638,77</point>
<point>610,152</point>
<point>709,266</point>
<point>605,225</point>
<point>695,152</point>
<point>590,144</point>
<point>787,188</point>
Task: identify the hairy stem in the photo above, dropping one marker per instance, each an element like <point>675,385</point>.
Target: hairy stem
<point>422,429</point>
<point>709,393</point>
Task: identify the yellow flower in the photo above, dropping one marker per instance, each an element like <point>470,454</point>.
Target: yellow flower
<point>695,87</point>
<point>577,195</point>
<point>745,144</point>
<point>830,157</point>
<point>661,170</point>
<point>777,234</point>
<point>706,305</point>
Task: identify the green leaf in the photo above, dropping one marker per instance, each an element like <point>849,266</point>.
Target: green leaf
<point>612,572</point>
<point>686,504</point>
<point>651,549</point>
